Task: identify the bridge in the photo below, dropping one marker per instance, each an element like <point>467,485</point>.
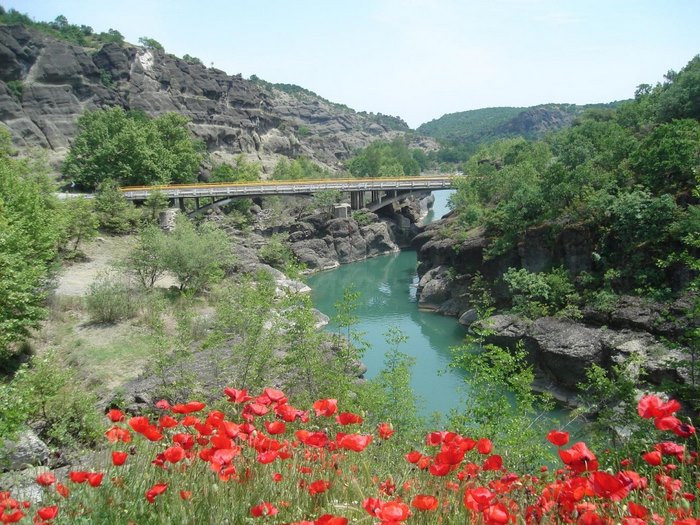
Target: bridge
<point>364,193</point>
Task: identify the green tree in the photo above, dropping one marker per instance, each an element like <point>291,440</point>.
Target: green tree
<point>384,159</point>
<point>241,171</point>
<point>132,149</point>
<point>146,261</point>
<point>30,234</point>
<point>156,202</point>
<point>114,213</point>
<point>81,222</point>
<point>151,43</point>
<point>196,256</point>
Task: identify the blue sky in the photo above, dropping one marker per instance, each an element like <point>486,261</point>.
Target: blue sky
<point>417,59</point>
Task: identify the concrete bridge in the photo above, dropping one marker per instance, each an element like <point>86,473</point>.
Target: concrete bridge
<point>364,193</point>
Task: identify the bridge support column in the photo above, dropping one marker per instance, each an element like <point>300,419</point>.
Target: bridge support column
<point>181,203</point>
<point>357,200</point>
<point>377,196</point>
<point>196,203</point>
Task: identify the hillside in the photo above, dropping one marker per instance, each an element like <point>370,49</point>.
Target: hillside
<point>488,124</point>
<point>47,82</point>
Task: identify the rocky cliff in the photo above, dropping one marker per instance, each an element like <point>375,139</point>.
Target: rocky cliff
<point>46,84</point>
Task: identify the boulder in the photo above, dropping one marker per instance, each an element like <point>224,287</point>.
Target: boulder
<point>23,451</point>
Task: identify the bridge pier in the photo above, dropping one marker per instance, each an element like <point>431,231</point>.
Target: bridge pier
<point>357,200</point>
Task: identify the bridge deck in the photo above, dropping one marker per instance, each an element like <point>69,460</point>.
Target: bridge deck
<point>242,189</point>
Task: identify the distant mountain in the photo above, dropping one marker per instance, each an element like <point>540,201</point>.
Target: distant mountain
<point>488,124</point>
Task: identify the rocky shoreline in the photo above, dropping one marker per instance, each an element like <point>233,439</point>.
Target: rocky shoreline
<point>561,349</point>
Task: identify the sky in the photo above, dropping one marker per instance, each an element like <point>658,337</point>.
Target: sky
<point>417,59</point>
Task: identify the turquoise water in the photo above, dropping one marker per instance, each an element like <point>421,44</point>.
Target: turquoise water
<point>387,287</point>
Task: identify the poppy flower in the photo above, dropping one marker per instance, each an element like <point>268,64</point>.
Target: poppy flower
<point>424,502</point>
<point>558,438</point>
<point>166,421</point>
<point>275,427</point>
<point>325,407</point>
<point>579,458</point>
<point>385,430</point>
<point>115,434</point>
<point>329,519</point>
<point>274,395</point>
<point>237,396</point>
<point>94,479</point>
<point>394,511</point>
<point>46,479</point>
<point>174,454</point>
<point>48,513</point>
<point>319,487</point>
<point>119,458</point>
<point>494,462</point>
<point>497,514</point>
<point>12,517</point>
<point>354,442</point>
<point>652,458</point>
<point>78,476</point>
<point>185,494</point>
<point>478,499</point>
<point>484,446</point>
<point>62,489</point>
<point>115,415</point>
<point>155,491</point>
<point>163,404</point>
<point>348,418</point>
<point>264,509</point>
<point>608,486</point>
<point>312,439</point>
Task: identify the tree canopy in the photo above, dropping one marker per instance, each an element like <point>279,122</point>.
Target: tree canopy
<point>132,149</point>
<point>385,159</point>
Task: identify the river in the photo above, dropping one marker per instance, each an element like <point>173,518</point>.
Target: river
<point>387,287</point>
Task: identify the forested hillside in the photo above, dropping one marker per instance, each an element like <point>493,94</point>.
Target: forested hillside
<point>461,133</point>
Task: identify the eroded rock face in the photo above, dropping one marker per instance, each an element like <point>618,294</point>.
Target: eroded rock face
<point>231,115</point>
<point>564,349</point>
<point>23,451</point>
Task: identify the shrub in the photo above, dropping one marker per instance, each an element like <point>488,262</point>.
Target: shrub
<point>110,299</point>
<point>541,294</point>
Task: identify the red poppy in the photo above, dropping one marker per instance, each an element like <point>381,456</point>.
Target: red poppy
<point>185,495</point>
<point>167,421</point>
<point>155,491</point>
<point>484,446</point>
<point>425,502</point>
<point>188,408</point>
<point>494,462</point>
<point>78,476</point>
<point>139,424</point>
<point>115,415</point>
<point>497,514</point>
<point>118,458</point>
<point>264,509</point>
<point>652,458</point>
<point>608,486</point>
<point>394,511</point>
<point>62,489</point>
<point>237,396</point>
<point>94,479</point>
<point>329,519</point>
<point>174,454</point>
<point>267,457</point>
<point>385,430</point>
<point>558,438</point>
<point>312,439</point>
<point>45,479</point>
<point>163,404</point>
<point>319,487</point>
<point>325,407</point>
<point>274,395</point>
<point>348,418</point>
<point>413,457</point>
<point>48,513</point>
<point>478,499</point>
<point>579,458</point>
<point>354,442</point>
<point>275,427</point>
<point>12,517</point>
<point>115,434</point>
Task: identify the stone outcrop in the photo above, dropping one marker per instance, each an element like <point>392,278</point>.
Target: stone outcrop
<point>23,451</point>
<point>564,349</point>
<point>54,82</point>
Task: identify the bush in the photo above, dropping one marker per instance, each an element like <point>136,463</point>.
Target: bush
<point>110,299</point>
<point>541,294</point>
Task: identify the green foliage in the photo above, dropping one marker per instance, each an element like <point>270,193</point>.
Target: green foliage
<point>278,254</point>
<point>300,168</point>
<point>146,260</point>
<point>192,60</point>
<point>132,149</point>
<point>324,200</point>
<point>242,171</point>
<point>608,400</point>
<point>106,78</point>
<point>31,231</point>
<point>501,404</point>
<point>384,159</point>
<point>81,222</point>
<point>16,88</point>
<point>48,395</point>
<point>541,294</point>
<point>114,213</point>
<point>196,256</point>
<point>60,28</point>
<point>362,218</point>
<point>155,203</point>
<point>110,299</point>
<point>151,43</point>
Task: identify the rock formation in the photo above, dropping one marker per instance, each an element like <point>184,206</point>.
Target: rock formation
<point>46,84</point>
